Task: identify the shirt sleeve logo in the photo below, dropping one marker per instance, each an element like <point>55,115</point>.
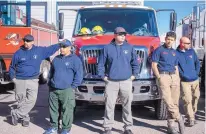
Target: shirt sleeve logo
<point>190,56</point>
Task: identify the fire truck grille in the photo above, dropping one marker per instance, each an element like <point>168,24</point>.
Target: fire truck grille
<point>91,68</point>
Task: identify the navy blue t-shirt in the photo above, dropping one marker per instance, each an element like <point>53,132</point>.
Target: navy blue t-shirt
<point>166,59</point>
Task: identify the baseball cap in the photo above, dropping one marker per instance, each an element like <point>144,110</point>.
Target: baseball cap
<point>119,30</point>
<point>65,43</point>
<point>28,37</point>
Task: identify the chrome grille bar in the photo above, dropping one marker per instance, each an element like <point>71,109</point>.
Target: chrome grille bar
<point>91,52</point>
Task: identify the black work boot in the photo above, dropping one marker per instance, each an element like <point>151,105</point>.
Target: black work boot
<point>25,123</point>
<point>14,118</point>
<point>107,131</point>
<point>172,130</point>
<point>181,124</point>
<point>191,123</point>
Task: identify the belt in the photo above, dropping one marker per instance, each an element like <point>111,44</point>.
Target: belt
<point>170,73</point>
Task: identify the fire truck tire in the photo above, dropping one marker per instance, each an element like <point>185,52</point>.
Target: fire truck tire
<point>202,77</point>
<point>160,110</point>
<point>74,113</point>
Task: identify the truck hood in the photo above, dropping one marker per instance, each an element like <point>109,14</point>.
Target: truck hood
<point>106,39</point>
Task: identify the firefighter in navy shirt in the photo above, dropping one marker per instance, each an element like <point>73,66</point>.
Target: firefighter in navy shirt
<point>189,68</point>
<point>66,75</point>
<point>123,68</point>
<point>24,72</point>
<point>165,68</point>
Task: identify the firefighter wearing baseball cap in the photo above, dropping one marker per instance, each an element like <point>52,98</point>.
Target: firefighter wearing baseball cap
<point>24,72</point>
<point>66,76</point>
<point>117,55</point>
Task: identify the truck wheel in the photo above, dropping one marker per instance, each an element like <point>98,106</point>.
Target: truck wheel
<point>160,110</point>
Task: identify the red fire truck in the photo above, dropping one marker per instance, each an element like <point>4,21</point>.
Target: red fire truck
<point>141,24</point>
<point>15,22</point>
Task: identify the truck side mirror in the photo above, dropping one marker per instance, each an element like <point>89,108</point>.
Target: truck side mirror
<point>61,21</point>
<point>61,34</point>
<point>173,21</point>
<point>196,13</point>
<point>61,25</point>
<point>21,14</point>
<point>193,24</point>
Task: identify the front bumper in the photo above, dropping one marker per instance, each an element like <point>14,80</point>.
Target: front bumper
<point>93,91</point>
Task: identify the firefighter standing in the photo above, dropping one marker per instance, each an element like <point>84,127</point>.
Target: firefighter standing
<point>165,68</point>
<point>189,68</point>
<point>66,76</point>
<point>24,72</point>
<point>121,59</point>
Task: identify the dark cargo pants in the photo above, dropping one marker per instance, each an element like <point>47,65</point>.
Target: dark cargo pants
<point>65,98</point>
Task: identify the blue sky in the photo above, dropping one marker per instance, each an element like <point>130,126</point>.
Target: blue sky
<point>182,8</point>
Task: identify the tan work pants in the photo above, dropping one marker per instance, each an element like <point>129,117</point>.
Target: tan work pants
<point>191,94</point>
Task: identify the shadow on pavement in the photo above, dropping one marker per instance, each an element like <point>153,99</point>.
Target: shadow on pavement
<point>86,116</point>
<point>146,125</point>
<point>200,114</point>
<point>84,119</point>
<point>40,113</point>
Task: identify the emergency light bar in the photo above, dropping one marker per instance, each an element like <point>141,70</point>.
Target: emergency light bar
<point>136,3</point>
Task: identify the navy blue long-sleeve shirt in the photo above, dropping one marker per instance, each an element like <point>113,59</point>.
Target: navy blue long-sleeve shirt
<point>121,61</point>
<point>188,64</point>
<point>25,63</point>
<point>66,72</point>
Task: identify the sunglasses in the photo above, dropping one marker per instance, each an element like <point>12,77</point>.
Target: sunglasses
<point>186,43</point>
<point>122,33</point>
<point>63,46</point>
<point>27,40</point>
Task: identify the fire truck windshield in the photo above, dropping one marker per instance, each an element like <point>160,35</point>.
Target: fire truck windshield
<point>13,15</point>
<point>138,22</point>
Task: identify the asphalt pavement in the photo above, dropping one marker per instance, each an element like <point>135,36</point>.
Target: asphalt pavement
<point>88,120</point>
